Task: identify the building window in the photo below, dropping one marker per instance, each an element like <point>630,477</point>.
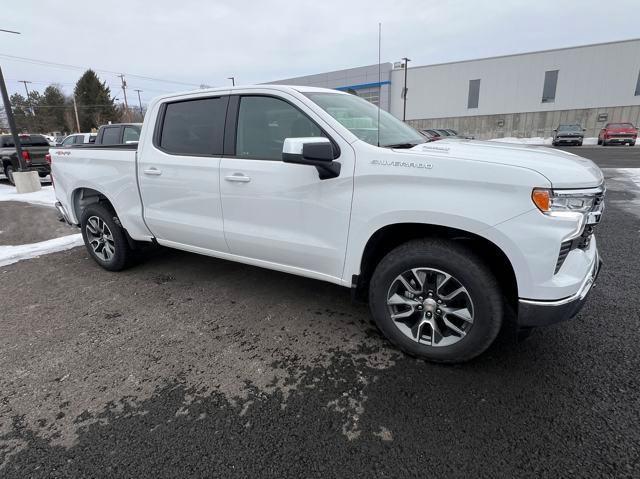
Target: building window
<point>372,95</point>
<point>474,93</point>
<point>549,89</point>
<point>638,85</point>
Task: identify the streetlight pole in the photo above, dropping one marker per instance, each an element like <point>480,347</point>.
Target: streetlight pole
<point>233,80</point>
<point>12,122</point>
<point>10,119</point>
<point>404,90</point>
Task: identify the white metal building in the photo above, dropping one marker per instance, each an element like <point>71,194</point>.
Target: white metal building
<point>525,94</point>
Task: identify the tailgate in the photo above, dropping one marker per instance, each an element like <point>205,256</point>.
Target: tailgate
<point>37,154</point>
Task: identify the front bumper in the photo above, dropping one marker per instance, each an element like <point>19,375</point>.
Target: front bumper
<point>569,139</point>
<point>534,313</point>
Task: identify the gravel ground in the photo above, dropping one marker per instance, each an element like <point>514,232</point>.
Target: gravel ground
<point>191,366</point>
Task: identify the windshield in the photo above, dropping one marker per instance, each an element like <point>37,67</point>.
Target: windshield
<point>569,128</point>
<point>620,125</point>
<point>361,118</point>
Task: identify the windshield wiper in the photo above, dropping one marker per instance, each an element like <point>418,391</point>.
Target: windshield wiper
<point>401,145</point>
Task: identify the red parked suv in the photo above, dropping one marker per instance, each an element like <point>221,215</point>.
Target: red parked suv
<point>618,133</point>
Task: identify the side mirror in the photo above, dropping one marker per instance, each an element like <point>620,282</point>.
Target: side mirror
<point>555,129</point>
<point>584,129</point>
<point>312,151</point>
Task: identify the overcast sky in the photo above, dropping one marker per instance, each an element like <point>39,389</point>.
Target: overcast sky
<point>204,42</point>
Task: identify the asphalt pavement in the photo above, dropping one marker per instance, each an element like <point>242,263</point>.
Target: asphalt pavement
<point>188,366</point>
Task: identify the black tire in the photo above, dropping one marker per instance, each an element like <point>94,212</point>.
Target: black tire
<point>123,255</point>
<point>8,172</point>
<point>468,269</point>
<point>604,142</point>
<point>632,143</point>
<point>599,141</point>
<point>579,143</point>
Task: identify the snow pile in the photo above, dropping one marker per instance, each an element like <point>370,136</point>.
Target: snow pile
<point>538,140</point>
<point>46,196</point>
<point>13,254</point>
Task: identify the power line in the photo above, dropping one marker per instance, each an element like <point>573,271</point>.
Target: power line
<point>75,67</point>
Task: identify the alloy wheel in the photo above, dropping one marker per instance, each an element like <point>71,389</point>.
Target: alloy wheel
<point>100,238</point>
<point>430,307</point>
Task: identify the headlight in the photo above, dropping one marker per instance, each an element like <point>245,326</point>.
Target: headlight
<point>564,202</point>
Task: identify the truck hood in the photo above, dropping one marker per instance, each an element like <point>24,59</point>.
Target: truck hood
<point>562,169</point>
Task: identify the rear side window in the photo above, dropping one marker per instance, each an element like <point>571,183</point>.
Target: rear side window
<point>131,134</point>
<point>265,122</point>
<point>111,135</point>
<point>194,127</point>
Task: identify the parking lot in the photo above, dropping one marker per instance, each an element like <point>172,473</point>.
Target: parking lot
<point>191,366</point>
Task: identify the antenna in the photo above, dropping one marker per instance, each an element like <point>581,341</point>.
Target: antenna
<point>379,77</point>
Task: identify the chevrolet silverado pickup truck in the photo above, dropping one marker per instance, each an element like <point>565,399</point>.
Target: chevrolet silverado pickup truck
<point>445,240</point>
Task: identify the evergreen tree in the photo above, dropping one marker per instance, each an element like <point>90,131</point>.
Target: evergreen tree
<point>21,113</point>
<point>95,105</point>
<point>54,104</point>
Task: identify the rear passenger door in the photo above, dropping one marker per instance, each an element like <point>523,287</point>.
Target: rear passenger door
<point>178,174</point>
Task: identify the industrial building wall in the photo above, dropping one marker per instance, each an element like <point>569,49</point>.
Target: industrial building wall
<point>532,124</point>
<point>363,80</point>
<point>591,79</point>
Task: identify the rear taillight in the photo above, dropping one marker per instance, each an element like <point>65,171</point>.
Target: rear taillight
<point>26,156</point>
<point>47,158</point>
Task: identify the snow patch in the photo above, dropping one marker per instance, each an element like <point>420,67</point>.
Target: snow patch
<point>46,196</point>
<point>13,254</point>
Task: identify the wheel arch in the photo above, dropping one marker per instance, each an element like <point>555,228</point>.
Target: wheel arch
<point>391,236</point>
<point>82,197</point>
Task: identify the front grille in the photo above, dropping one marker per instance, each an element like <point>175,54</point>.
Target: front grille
<point>565,248</point>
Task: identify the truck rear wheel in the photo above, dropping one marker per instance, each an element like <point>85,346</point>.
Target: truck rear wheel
<point>437,300</point>
<point>104,238</point>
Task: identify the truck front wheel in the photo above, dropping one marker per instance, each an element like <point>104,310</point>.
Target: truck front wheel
<point>104,238</point>
<point>8,172</point>
<point>437,300</point>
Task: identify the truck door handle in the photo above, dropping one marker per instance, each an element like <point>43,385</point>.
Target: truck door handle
<point>238,178</point>
<point>152,171</point>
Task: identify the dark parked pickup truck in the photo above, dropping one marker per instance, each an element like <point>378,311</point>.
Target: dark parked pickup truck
<point>34,149</point>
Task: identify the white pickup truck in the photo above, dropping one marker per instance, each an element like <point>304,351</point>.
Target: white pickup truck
<point>445,240</point>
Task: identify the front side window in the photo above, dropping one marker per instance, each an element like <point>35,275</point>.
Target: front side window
<point>111,135</point>
<point>265,122</point>
<point>194,127</point>
<point>361,118</point>
<point>549,88</point>
<point>79,139</point>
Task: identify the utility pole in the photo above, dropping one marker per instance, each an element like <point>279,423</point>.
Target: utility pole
<point>233,80</point>
<point>75,109</point>
<point>139,100</point>
<point>28,98</point>
<point>404,90</point>
<point>124,91</point>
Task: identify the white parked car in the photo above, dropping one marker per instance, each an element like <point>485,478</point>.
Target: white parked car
<point>445,240</point>
<point>78,139</point>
